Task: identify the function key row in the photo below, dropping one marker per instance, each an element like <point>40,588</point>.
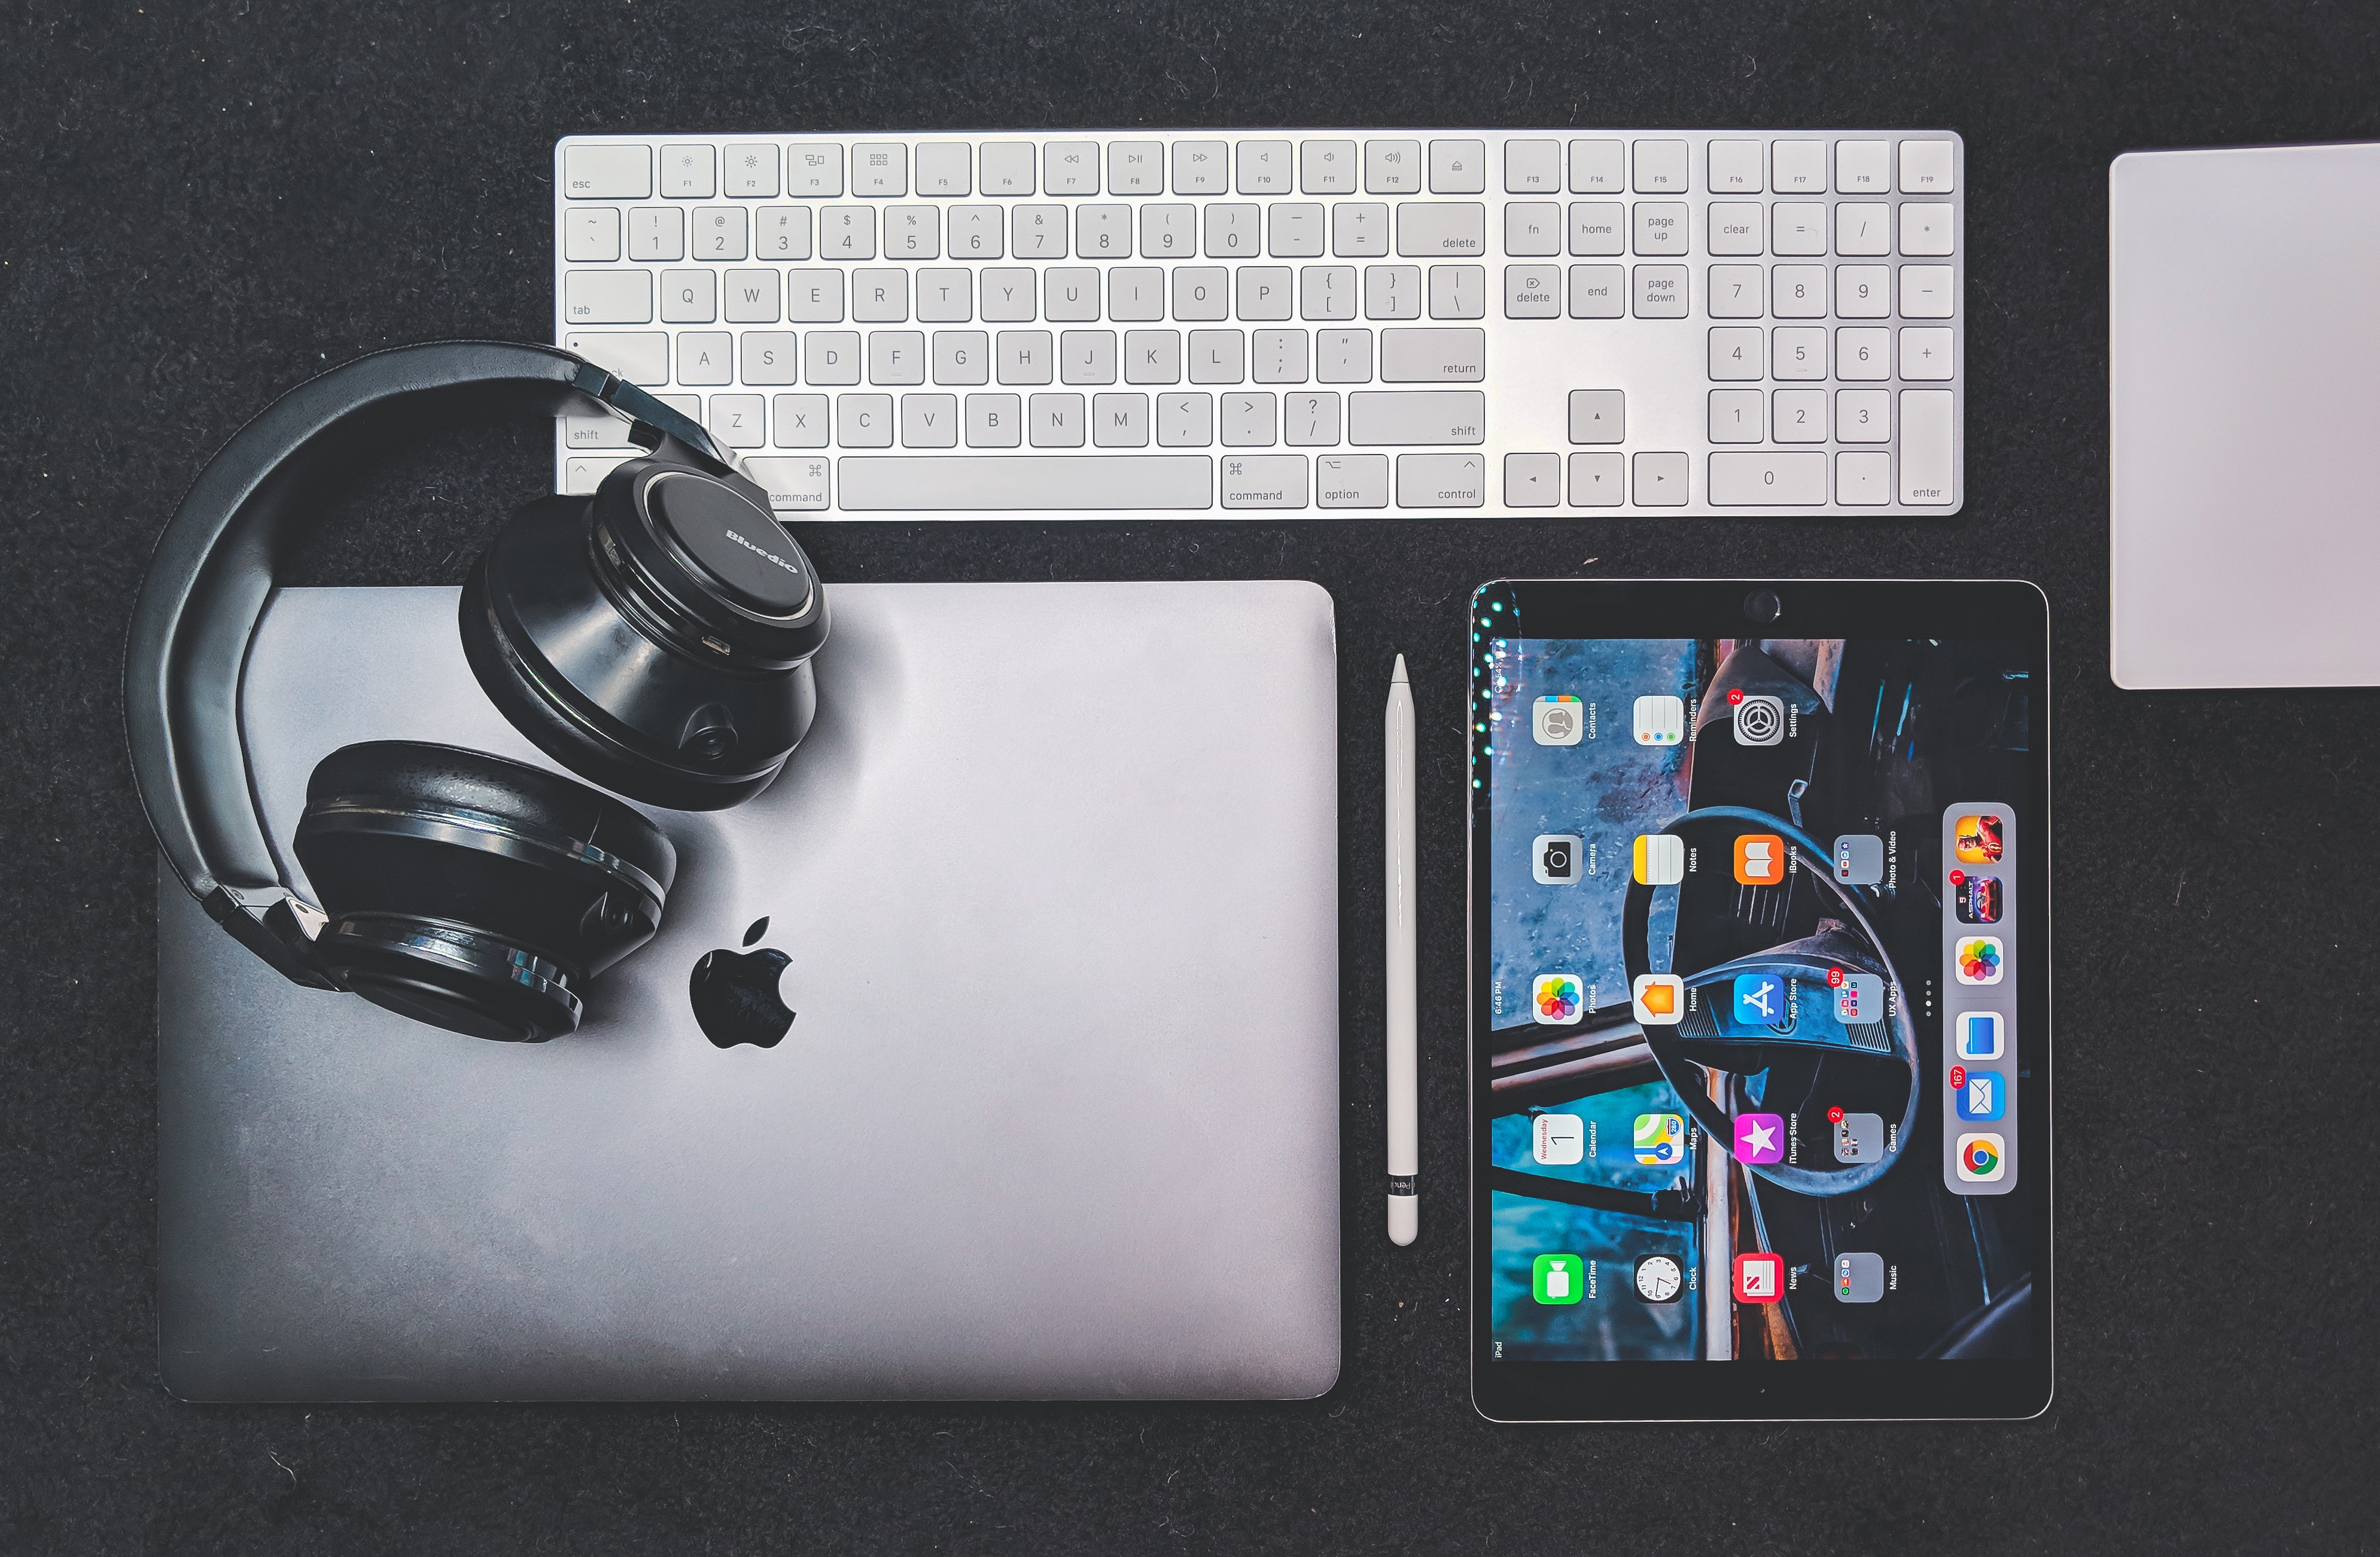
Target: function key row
<point>1451,166</point>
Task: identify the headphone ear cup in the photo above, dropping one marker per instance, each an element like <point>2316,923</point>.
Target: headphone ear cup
<point>471,892</point>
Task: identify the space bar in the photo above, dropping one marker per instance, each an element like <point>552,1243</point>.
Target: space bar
<point>873,482</point>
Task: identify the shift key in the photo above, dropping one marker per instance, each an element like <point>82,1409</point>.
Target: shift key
<point>1416,416</point>
<point>1433,357</point>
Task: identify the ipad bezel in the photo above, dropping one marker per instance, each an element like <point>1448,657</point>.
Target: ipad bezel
<point>1514,1391</point>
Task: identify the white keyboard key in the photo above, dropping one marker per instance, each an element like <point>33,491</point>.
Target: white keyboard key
<point>1736,417</point>
<point>830,356</point>
<point>1660,166</point>
<point>1135,292</point>
<point>1265,167</point>
<point>814,170</point>
<point>607,296</point>
<point>1310,419</point>
<point>1598,167</point>
<point>1660,291</point>
<point>1798,416</point>
<point>1925,291</point>
<point>1169,232</point>
<point>689,296</point>
<point>1327,167</point>
<point>1007,168</point>
<point>798,421</point>
<point>1797,228</point>
<point>1152,357</point>
<point>1457,167</point>
<point>1925,167</point>
<point>1294,230</point>
<point>945,295</point>
<point>1797,291</point>
<point>932,483</point>
<point>1202,292</point>
<point>1735,167</point>
<point>752,296</point>
<point>1662,227</point>
<point>1598,415</point>
<point>595,432</point>
<point>1086,356</point>
<point>1599,292</point>
<point>781,232</point>
<point>929,421</point>
<point>795,485</point>
<point>1218,356</point>
<point>1924,354</point>
<point>962,357</point>
<point>705,356</point>
<point>1429,227</point>
<point>913,232</point>
<point>590,234</point>
<point>1392,167</point>
<point>657,233</point>
<point>607,172</point>
<point>1768,480</point>
<point>1264,482</point>
<point>687,172</point>
<point>641,356</point>
<point>1798,167</point>
<point>1458,292</point>
<point>749,173</point>
<point>1532,168</point>
<point>814,296</point>
<point>1433,357</point>
<point>1797,352</point>
<point>1597,480</point>
<point>1864,290</point>
<point>1737,352</point>
<point>1201,167</point>
<point>1248,419</point>
<point>1070,294</point>
<point>1927,428</point>
<point>767,356</point>
<point>1186,421</point>
<point>582,474</point>
<point>1120,421</point>
<point>1863,167</point>
<point>945,169</point>
<point>1863,479</point>
<point>1342,357</point>
<point>1008,296</point>
<point>1392,292</point>
<point>1862,354</point>
<point>740,420</point>
<point>1441,481</point>
<point>1359,229</point>
<point>1925,228</point>
<point>1070,167</point>
<point>879,169</point>
<point>1531,480</point>
<point>1024,357</point>
<point>1233,231</point>
<point>720,232</point>
<point>896,358</point>
<point>1351,481</point>
<point>1862,415</point>
<point>1532,292</point>
<point>1055,421</point>
<point>1326,292</point>
<point>995,421</point>
<point>1737,292</point>
<point>1736,227</point>
<point>1037,232</point>
<point>1266,292</point>
<point>880,296</point>
<point>847,231</point>
<point>1598,227</point>
<point>1416,416</point>
<point>1136,167</point>
<point>1102,231</point>
<point>1862,229</point>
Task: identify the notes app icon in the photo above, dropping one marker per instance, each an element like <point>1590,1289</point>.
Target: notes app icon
<point>1660,860</point>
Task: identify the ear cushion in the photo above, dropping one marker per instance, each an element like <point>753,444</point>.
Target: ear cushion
<point>472,892</point>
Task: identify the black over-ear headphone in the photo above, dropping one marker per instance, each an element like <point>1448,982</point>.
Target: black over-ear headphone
<point>654,638</point>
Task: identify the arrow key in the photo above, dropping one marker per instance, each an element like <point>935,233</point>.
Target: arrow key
<point>1531,480</point>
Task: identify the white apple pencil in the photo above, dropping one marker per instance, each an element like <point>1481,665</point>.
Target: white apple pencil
<point>1404,1127</point>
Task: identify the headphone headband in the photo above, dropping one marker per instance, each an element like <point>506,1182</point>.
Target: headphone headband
<point>214,572</point>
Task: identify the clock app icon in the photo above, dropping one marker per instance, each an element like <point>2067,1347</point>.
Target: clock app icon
<point>1660,1279</point>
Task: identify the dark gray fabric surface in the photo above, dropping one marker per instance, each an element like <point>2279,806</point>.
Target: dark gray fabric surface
<point>201,203</point>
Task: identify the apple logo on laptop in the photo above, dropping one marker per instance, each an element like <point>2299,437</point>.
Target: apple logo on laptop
<point>735,998</point>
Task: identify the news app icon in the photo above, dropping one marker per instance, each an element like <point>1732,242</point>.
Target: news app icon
<point>1660,999</point>
<point>1982,1036</point>
<point>1660,721</point>
<point>1759,860</point>
<point>1759,1278</point>
<point>1759,1138</point>
<point>1859,1278</point>
<point>1558,999</point>
<point>1760,999</point>
<point>1977,839</point>
<point>1660,1139</point>
<point>1554,859</point>
<point>1979,959</point>
<point>1859,999</point>
<point>1559,721</point>
<point>1982,1158</point>
<point>1659,859</point>
<point>1982,1098</point>
<point>1557,1279</point>
<point>1759,720</point>
<point>1976,899</point>
<point>1558,1140</point>
<point>1859,860</point>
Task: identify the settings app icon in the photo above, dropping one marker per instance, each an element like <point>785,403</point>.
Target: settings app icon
<point>1759,720</point>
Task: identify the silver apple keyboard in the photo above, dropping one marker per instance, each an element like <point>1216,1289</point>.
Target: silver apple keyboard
<point>1312,322</point>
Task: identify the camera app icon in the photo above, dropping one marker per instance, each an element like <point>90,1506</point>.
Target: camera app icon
<point>1759,720</point>
<point>1553,859</point>
<point>1558,721</point>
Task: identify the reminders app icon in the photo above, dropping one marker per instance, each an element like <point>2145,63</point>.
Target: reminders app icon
<point>1660,721</point>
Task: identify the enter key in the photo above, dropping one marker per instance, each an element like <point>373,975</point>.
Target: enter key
<point>1416,416</point>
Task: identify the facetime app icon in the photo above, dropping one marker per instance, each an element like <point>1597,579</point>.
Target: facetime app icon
<point>1660,721</point>
<point>1660,860</point>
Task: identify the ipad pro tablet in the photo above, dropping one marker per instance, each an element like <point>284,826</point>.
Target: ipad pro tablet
<point>1759,1000</point>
